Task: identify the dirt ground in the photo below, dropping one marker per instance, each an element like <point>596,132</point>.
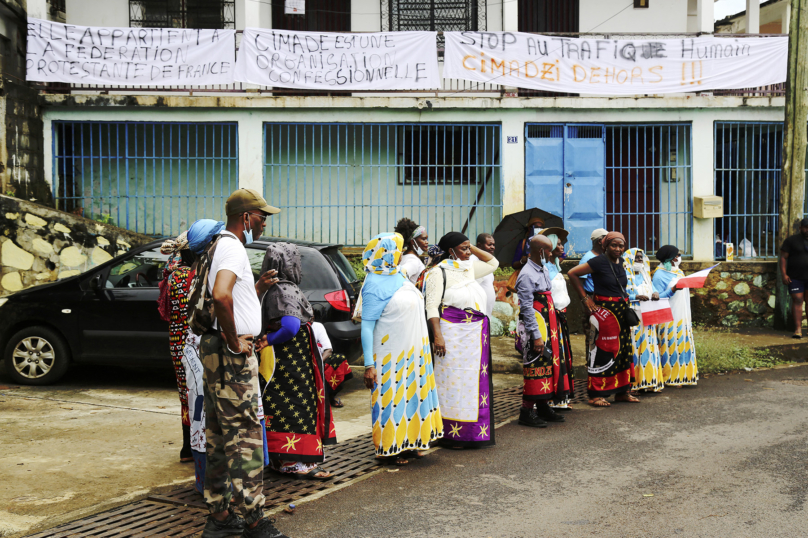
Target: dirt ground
<point>106,436</point>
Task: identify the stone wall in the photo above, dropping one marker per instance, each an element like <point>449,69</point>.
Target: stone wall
<point>39,244</point>
<point>736,294</point>
<point>22,171</point>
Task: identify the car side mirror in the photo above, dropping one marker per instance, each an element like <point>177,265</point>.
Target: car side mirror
<point>95,283</point>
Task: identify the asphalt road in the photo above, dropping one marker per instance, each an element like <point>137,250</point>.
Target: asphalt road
<point>724,459</point>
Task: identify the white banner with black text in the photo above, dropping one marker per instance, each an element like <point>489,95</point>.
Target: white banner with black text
<point>333,61</point>
<point>615,66</point>
<point>128,56</point>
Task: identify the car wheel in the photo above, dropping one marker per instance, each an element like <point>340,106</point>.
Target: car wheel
<point>36,356</point>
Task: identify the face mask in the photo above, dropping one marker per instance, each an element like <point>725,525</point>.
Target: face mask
<point>248,235</point>
<point>676,262</point>
<point>418,250</point>
<point>536,230</point>
<point>638,267</point>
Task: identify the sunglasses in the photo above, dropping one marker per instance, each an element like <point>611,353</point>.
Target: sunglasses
<point>260,216</point>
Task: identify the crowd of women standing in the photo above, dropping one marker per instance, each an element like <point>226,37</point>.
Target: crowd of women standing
<point>425,331</point>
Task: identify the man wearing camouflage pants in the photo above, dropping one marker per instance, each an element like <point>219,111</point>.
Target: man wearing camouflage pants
<point>235,455</point>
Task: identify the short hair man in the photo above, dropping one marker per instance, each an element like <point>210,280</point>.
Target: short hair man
<point>544,378</point>
<point>485,241</point>
<point>235,455</point>
<point>794,268</point>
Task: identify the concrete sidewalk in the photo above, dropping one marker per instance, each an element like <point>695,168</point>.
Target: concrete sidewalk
<point>107,436</point>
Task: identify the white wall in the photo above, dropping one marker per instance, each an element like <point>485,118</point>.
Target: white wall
<point>252,13</point>
<point>366,15</point>
<point>95,13</point>
<point>606,16</point>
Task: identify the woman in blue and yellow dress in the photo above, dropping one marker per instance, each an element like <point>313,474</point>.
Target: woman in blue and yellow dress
<point>405,412</point>
<point>676,345</point>
<point>647,361</point>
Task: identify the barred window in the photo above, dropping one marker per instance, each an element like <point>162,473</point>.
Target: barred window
<point>197,14</point>
<point>433,15</point>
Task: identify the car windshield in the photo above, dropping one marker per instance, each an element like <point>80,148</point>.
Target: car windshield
<point>317,272</point>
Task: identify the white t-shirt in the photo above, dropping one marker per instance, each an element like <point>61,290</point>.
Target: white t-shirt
<point>412,266</point>
<point>320,336</point>
<point>487,283</point>
<point>231,255</point>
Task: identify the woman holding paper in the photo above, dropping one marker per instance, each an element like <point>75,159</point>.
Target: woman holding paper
<point>677,350</point>
<point>647,362</point>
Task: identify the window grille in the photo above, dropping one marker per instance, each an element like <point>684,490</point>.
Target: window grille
<point>196,14</point>
<point>748,165</point>
<point>649,192</point>
<point>437,155</point>
<point>151,178</point>
<point>344,183</point>
<point>433,15</point>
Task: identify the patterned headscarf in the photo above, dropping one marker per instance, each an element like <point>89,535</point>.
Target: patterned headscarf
<point>628,262</point>
<point>383,253</point>
<point>420,230</point>
<point>285,297</point>
<point>173,246</point>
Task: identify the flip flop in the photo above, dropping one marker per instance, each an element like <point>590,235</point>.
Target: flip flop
<point>797,336</point>
<point>312,474</point>
<point>336,402</point>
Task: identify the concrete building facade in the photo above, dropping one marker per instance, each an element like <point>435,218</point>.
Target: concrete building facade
<point>347,166</point>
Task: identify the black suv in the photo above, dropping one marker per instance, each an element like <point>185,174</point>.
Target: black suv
<point>109,313</point>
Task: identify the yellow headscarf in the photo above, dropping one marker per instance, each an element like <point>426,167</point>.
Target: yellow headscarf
<point>383,253</point>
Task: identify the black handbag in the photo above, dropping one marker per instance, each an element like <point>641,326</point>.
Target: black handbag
<point>631,316</point>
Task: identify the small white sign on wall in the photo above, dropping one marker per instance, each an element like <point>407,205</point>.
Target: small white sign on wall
<point>295,7</point>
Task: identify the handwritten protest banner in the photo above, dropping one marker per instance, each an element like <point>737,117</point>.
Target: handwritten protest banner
<point>615,66</point>
<point>128,56</point>
<point>331,61</point>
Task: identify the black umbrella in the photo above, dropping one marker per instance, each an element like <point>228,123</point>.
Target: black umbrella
<point>512,230</point>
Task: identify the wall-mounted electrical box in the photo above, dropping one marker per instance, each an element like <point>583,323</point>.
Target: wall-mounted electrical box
<point>708,207</point>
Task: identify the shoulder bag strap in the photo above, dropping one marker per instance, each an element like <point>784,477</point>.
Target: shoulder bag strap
<point>611,266</point>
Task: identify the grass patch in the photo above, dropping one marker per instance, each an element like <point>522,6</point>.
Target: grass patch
<point>503,272</point>
<point>714,356</point>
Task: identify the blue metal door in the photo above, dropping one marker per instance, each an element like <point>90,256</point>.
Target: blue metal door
<point>544,168</point>
<point>564,175</point>
<point>584,172</point>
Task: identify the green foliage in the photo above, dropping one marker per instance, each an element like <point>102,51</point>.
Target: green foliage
<point>104,218</point>
<point>503,272</point>
<point>714,356</point>
<point>358,267</point>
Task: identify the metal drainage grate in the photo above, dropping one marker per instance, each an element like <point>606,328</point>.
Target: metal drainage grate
<point>182,512</point>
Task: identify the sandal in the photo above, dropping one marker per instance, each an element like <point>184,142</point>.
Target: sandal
<point>626,397</point>
<point>797,336</point>
<point>312,474</point>
<point>336,402</point>
<point>599,402</point>
<point>417,454</point>
<point>393,460</point>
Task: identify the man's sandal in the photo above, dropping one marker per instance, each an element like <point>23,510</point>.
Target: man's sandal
<point>626,397</point>
<point>599,402</point>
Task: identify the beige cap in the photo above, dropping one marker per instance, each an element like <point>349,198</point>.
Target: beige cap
<point>600,233</point>
<point>244,200</point>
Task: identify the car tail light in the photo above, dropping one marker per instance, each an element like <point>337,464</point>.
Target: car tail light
<point>339,300</point>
